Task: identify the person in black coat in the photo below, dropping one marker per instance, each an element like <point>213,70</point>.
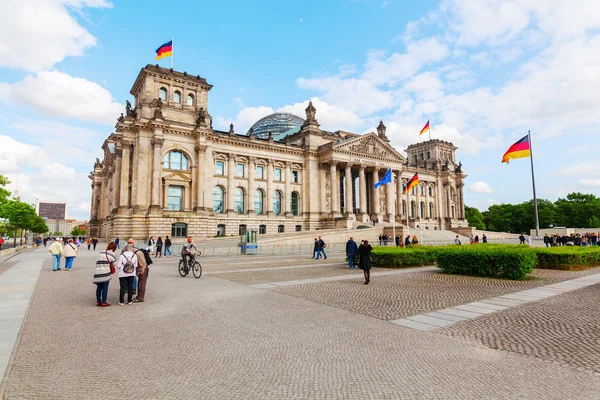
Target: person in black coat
<point>315,247</point>
<point>364,251</point>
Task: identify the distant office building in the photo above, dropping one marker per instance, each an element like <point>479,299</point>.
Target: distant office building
<point>56,211</point>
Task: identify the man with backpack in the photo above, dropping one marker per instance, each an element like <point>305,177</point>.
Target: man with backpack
<point>143,262</point>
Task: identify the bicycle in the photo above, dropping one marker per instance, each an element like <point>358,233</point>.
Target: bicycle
<point>192,264</point>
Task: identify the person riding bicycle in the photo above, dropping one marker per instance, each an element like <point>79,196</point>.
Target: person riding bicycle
<point>189,249</point>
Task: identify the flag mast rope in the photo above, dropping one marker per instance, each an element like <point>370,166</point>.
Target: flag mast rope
<point>535,205</point>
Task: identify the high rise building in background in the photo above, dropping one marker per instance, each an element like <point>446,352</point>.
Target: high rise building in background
<point>56,211</point>
<point>165,170</point>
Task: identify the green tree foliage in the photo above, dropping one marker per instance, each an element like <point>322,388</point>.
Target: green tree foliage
<point>475,217</point>
<point>3,192</point>
<point>76,231</point>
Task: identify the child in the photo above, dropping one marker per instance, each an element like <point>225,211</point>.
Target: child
<point>126,265</point>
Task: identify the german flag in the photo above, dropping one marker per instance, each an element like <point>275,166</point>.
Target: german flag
<point>425,128</point>
<point>521,149</point>
<point>412,183</point>
<point>165,50</point>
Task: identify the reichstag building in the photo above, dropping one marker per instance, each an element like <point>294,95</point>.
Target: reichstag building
<point>165,170</point>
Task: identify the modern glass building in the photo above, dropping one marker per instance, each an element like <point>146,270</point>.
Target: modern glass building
<point>275,123</point>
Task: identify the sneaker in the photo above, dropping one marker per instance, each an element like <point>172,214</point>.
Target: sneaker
<point>121,304</point>
<point>105,305</point>
<point>130,302</point>
<point>136,300</point>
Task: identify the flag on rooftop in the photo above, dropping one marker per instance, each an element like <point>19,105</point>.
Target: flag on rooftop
<point>412,183</point>
<point>520,149</point>
<point>386,179</point>
<point>425,128</point>
<point>165,50</point>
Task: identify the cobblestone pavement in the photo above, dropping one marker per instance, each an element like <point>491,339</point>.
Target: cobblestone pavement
<point>212,338</point>
<point>564,329</point>
<point>399,296</point>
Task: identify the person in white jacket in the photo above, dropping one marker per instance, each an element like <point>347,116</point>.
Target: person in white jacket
<point>126,265</point>
<point>70,252</point>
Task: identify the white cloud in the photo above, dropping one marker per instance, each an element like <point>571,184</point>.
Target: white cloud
<point>385,4</point>
<point>480,187</point>
<point>590,183</point>
<point>301,20</point>
<point>36,34</point>
<point>57,94</point>
<point>42,176</point>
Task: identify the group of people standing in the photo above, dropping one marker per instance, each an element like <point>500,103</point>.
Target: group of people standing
<point>363,252</point>
<point>574,239</point>
<point>132,264</point>
<point>155,247</point>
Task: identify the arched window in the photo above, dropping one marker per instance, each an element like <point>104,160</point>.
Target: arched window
<point>298,228</point>
<point>163,94</point>
<point>294,203</point>
<point>422,208</point>
<point>176,160</point>
<point>218,199</point>
<point>177,96</point>
<point>238,201</point>
<point>422,190</point>
<point>429,155</point>
<point>179,229</point>
<point>277,202</point>
<point>259,201</point>
<point>430,210</point>
<point>190,99</point>
<point>403,207</point>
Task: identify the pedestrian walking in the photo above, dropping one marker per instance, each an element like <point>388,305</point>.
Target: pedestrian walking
<point>56,249</point>
<point>407,241</point>
<point>38,242</point>
<point>381,240</point>
<point>89,242</point>
<point>484,238</point>
<point>70,252</point>
<point>102,274</point>
<point>398,240</point>
<point>159,246</point>
<point>315,248</point>
<point>95,243</point>
<point>1,242</point>
<point>126,266</point>
<point>351,250</point>
<point>364,252</point>
<point>476,239</point>
<point>457,240</point>
<point>168,246</point>
<point>151,245</point>
<point>116,242</point>
<point>321,248</point>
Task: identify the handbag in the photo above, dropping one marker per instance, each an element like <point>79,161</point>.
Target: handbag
<point>112,267</point>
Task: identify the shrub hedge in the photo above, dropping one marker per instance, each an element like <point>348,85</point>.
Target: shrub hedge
<point>567,258</point>
<point>402,257</point>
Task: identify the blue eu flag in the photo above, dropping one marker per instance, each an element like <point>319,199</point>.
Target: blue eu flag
<point>386,179</point>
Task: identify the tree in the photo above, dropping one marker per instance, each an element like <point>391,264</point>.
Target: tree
<point>475,218</point>
<point>39,225</point>
<point>76,231</point>
<point>21,216</point>
<point>3,192</point>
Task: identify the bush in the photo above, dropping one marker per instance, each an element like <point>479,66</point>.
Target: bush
<point>567,258</point>
<point>499,262</point>
<point>402,257</point>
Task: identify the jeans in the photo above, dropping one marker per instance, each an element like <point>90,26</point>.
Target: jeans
<point>134,284</point>
<point>321,250</point>
<point>168,249</point>
<point>101,292</point>
<point>55,262</point>
<point>351,261</point>
<point>547,244</point>
<point>126,286</point>
<point>69,262</point>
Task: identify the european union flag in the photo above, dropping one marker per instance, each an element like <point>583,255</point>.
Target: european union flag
<point>386,179</point>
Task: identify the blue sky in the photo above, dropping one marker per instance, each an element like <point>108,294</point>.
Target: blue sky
<point>482,72</point>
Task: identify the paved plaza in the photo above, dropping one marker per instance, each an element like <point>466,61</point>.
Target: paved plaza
<point>289,327</point>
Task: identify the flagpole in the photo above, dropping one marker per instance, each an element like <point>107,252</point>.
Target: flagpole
<point>535,206</point>
<point>407,213</point>
<point>429,130</point>
<point>172,50</point>
<point>394,209</point>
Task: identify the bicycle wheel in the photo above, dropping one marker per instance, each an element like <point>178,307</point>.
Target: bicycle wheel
<point>197,270</point>
<point>181,268</point>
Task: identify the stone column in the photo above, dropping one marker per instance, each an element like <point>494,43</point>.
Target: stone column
<point>349,203</point>
<point>418,205</point>
<point>187,197</point>
<point>251,184</point>
<point>102,198</point>
<point>117,181</point>
<point>362,183</point>
<point>288,189</point>
<point>94,207</point>
<point>461,209</point>
<point>335,197</point>
<point>448,203</point>
<point>389,199</point>
<point>155,185</point>
<point>199,186</point>
<point>125,161</point>
<point>270,173</point>
<point>399,194</point>
<point>427,201</point>
<point>165,188</point>
<point>230,182</point>
<point>375,198</point>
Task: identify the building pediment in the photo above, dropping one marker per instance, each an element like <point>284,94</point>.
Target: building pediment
<point>369,145</point>
<point>177,178</point>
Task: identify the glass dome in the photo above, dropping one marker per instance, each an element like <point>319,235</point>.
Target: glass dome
<point>275,123</point>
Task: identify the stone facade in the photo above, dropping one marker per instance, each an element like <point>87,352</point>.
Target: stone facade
<point>165,170</point>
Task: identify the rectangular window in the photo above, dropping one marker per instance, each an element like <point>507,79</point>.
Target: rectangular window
<point>422,190</point>
<point>431,191</point>
<point>277,174</point>
<point>220,168</point>
<point>240,170</point>
<point>260,172</point>
<point>175,194</point>
<point>295,176</point>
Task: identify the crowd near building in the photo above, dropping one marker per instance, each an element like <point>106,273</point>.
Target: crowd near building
<point>166,170</point>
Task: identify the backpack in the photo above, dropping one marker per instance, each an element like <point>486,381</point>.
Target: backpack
<point>128,267</point>
<point>146,256</point>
